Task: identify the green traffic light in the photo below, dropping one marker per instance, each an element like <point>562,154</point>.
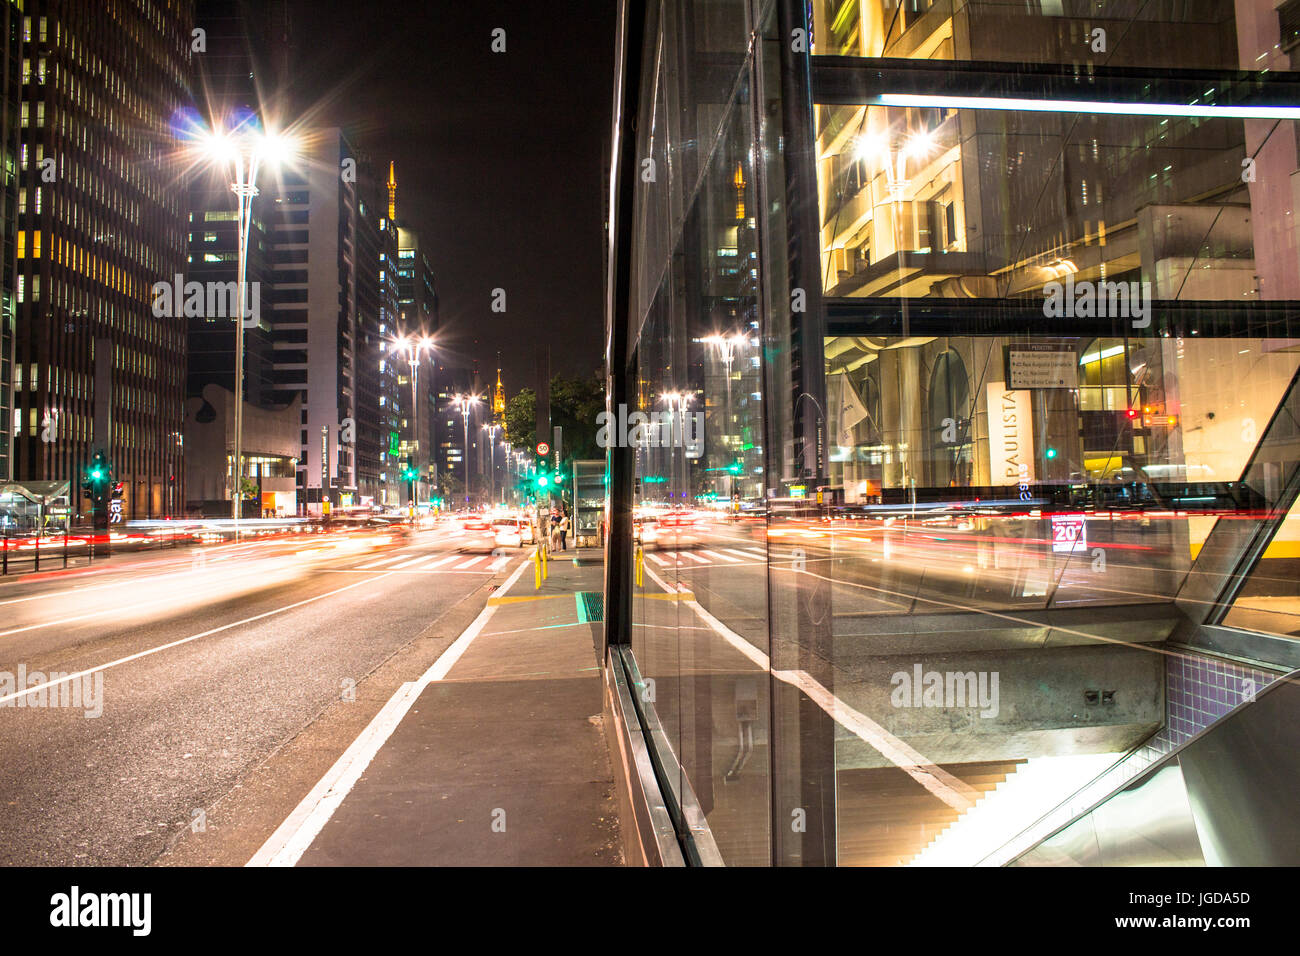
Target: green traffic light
<point>96,474</point>
<point>1051,453</point>
<point>542,481</point>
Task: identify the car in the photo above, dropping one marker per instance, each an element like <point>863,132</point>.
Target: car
<point>475,522</point>
<point>512,532</point>
<point>645,530</point>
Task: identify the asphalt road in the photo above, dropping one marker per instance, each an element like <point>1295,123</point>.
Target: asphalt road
<point>209,665</point>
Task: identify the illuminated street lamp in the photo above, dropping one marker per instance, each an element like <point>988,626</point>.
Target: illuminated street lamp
<point>725,346</point>
<point>464,403</point>
<point>491,429</point>
<point>241,151</point>
<point>414,346</point>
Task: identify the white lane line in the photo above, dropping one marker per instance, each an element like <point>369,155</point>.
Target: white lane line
<point>433,564</point>
<point>470,563</point>
<point>721,557</point>
<point>406,564</point>
<point>658,560</point>
<point>296,834</point>
<point>185,640</point>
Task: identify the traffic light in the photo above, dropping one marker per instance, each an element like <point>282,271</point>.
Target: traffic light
<point>1049,453</point>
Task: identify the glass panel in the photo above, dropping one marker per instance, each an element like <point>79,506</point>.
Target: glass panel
<point>1156,33</point>
<point>1088,215</point>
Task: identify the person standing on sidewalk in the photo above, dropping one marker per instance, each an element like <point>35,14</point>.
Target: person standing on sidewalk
<point>564,531</point>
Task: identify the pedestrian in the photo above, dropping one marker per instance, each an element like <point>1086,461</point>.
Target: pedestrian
<point>564,532</point>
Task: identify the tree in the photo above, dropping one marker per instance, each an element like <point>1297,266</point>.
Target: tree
<point>575,403</point>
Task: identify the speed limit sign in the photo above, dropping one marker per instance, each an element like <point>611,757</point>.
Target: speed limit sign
<point>543,449</point>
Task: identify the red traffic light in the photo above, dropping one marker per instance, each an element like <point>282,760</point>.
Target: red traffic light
<point>1132,413</point>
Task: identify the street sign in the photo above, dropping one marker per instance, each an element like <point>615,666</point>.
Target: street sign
<point>115,511</point>
<point>543,449</point>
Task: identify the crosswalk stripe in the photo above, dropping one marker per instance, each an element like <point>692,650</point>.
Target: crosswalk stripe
<point>407,564</point>
<point>694,557</point>
<point>433,564</point>
<point>470,563</point>
<point>499,563</point>
<point>381,562</point>
<point>758,551</point>
<point>657,560</point>
<point>721,557</point>
<point>743,554</point>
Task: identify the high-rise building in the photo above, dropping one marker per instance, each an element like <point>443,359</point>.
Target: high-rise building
<point>10,98</point>
<point>417,317</point>
<point>101,219</point>
<point>379,388</point>
<point>313,321</point>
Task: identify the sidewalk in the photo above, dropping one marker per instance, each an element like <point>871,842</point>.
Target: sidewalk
<point>501,759</point>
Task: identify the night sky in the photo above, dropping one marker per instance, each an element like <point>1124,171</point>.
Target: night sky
<point>500,156</point>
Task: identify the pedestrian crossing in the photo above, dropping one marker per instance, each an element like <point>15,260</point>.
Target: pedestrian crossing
<point>706,557</point>
<point>447,562</point>
<point>683,559</point>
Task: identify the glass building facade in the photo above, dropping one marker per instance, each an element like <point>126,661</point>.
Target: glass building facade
<point>958,346</point>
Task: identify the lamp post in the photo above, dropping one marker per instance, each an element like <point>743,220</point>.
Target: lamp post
<point>491,429</point>
<point>242,151</point>
<point>725,346</point>
<point>464,403</point>
<point>414,346</point>
<point>677,402</point>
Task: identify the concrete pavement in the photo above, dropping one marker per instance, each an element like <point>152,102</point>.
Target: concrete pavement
<point>501,758</point>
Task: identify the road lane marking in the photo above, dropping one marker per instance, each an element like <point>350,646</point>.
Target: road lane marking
<point>499,563</point>
<point>381,562</point>
<point>433,564</point>
<point>406,564</point>
<point>658,560</point>
<point>744,554</point>
<point>721,557</point>
<point>185,640</point>
<point>470,563</point>
<point>296,834</point>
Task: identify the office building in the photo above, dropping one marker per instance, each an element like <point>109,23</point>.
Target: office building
<point>101,219</point>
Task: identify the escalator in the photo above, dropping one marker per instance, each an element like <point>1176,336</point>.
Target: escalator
<point>1227,797</point>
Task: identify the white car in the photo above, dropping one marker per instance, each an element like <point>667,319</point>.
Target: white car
<point>512,532</point>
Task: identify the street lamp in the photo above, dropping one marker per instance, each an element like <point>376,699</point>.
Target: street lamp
<point>677,402</point>
<point>464,403</point>
<point>725,346</point>
<point>242,151</point>
<point>491,429</point>
<point>414,346</point>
